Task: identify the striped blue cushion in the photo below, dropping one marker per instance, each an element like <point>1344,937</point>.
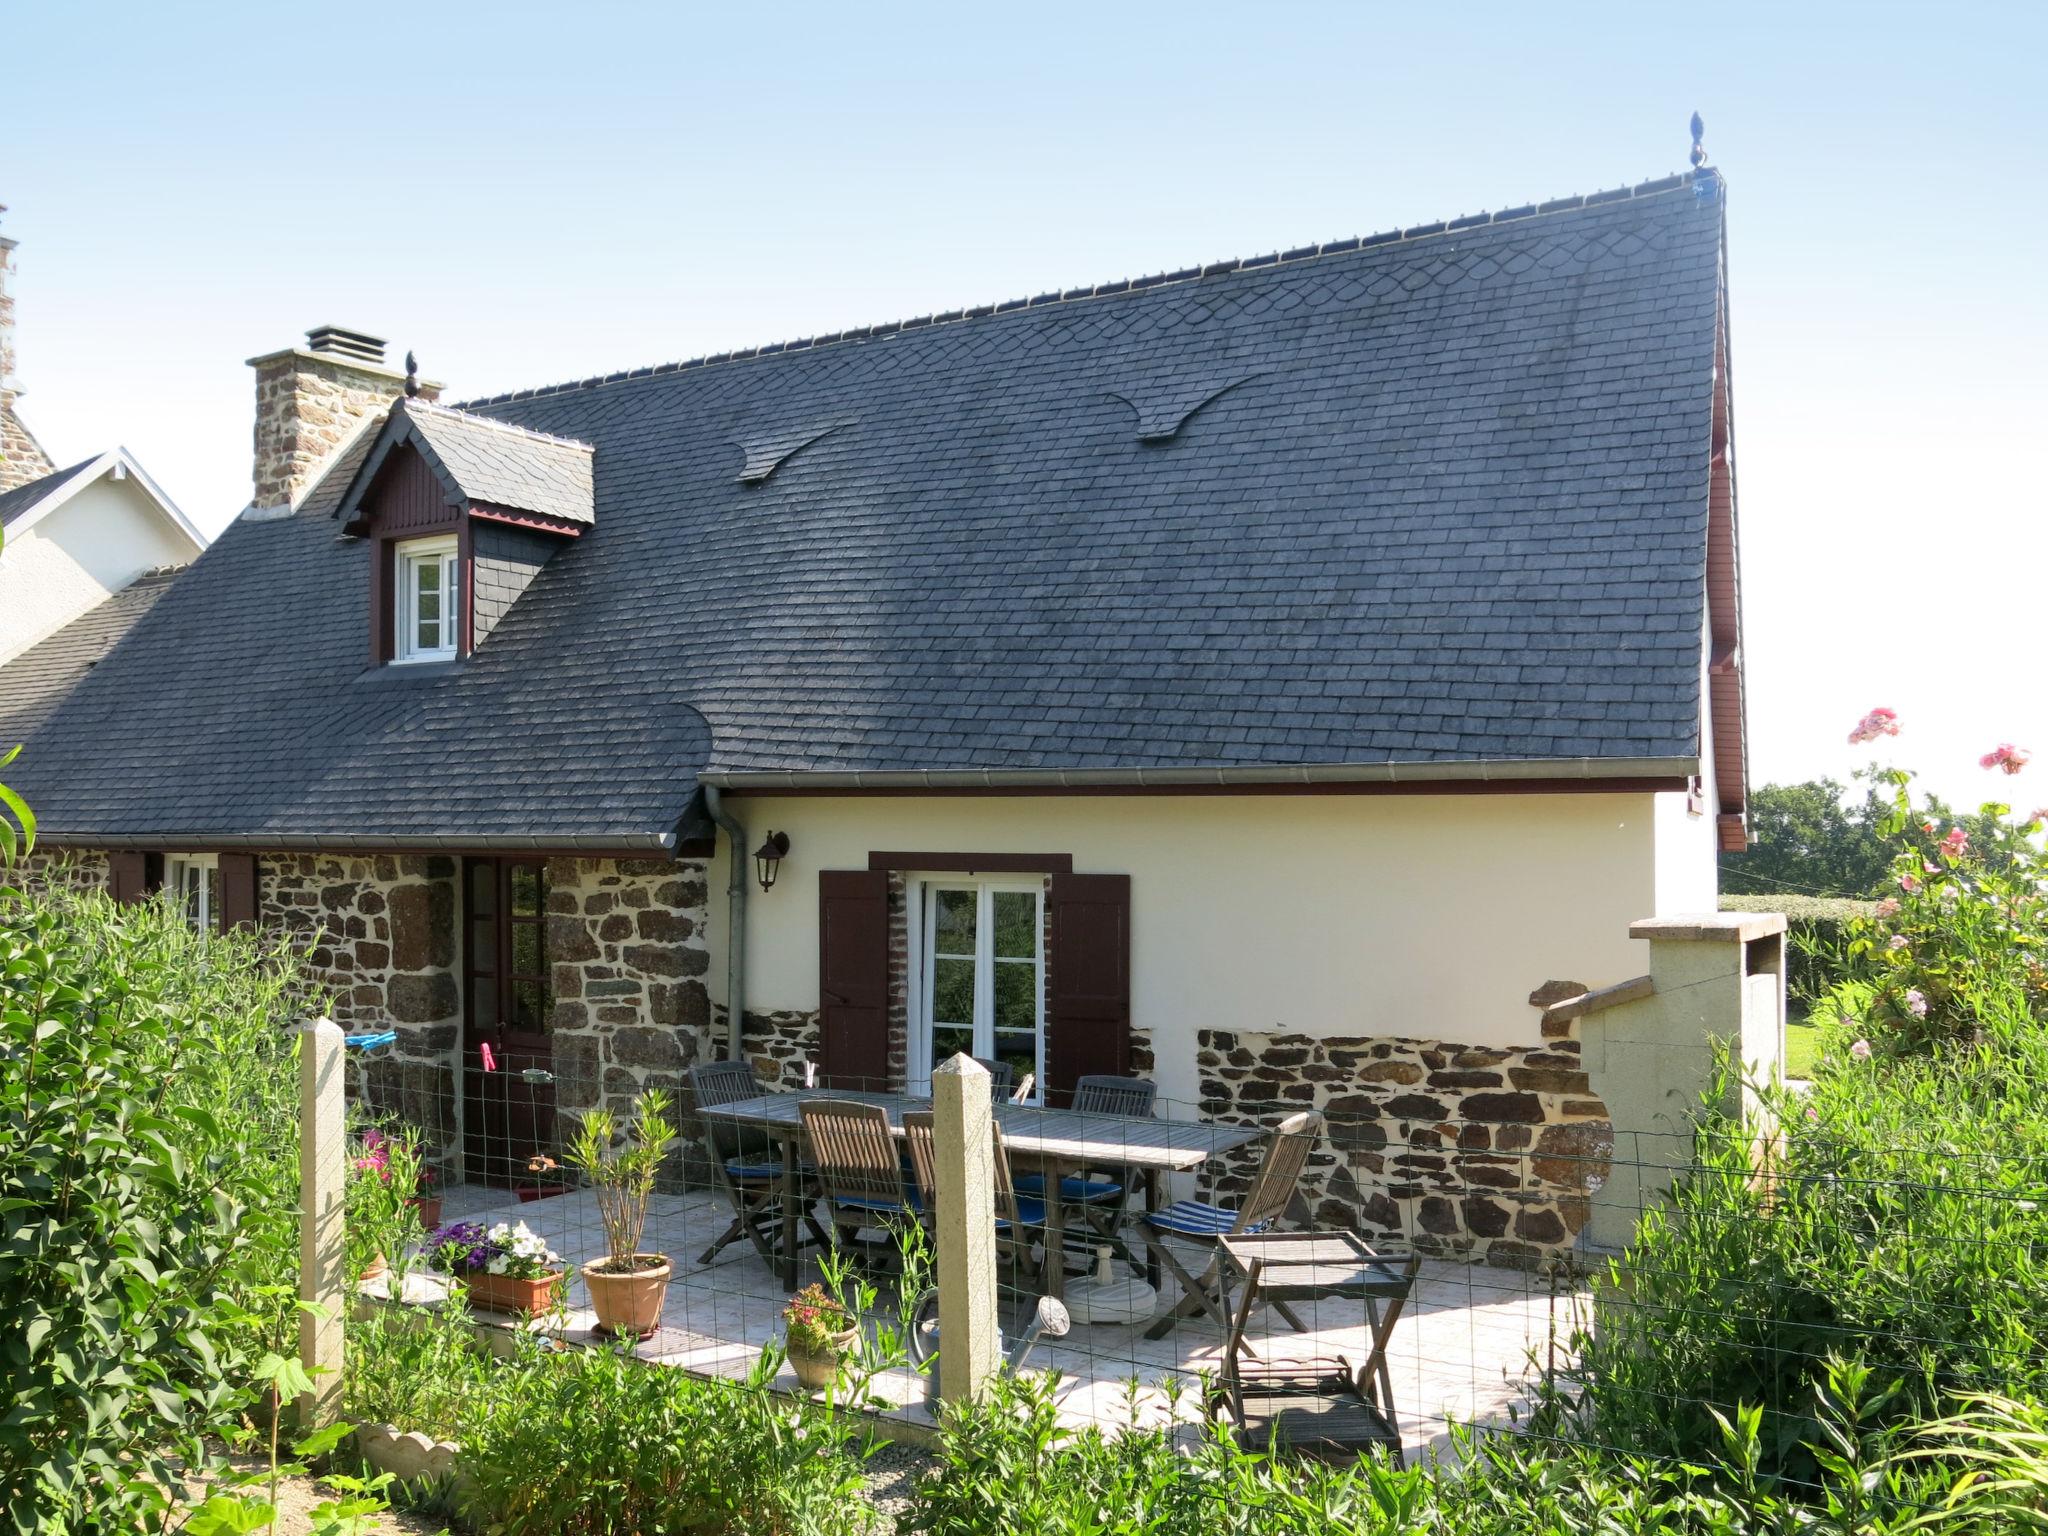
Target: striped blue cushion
<point>1191,1218</point>
<point>1073,1189</point>
<point>753,1171</point>
<point>865,1204</point>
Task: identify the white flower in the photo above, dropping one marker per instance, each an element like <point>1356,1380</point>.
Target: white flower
<point>498,1264</point>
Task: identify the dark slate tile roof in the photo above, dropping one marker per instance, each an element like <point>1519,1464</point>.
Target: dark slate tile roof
<point>24,499</point>
<point>499,463</point>
<point>1437,498</point>
<point>36,681</point>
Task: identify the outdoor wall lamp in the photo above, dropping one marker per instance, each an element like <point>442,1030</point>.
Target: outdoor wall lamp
<point>769,856</point>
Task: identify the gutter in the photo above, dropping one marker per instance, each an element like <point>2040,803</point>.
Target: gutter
<point>208,842</point>
<point>735,921</point>
<point>1590,770</point>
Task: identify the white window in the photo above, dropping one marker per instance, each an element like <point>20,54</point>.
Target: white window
<point>429,602</point>
<point>980,981</point>
<point>192,881</point>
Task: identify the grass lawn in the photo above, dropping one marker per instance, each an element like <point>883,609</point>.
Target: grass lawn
<point>1801,1042</point>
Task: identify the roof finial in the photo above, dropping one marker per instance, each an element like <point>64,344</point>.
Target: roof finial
<point>412,367</point>
<point>1699,150</point>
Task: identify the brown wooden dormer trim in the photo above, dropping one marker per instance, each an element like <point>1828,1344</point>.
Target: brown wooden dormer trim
<point>405,501</point>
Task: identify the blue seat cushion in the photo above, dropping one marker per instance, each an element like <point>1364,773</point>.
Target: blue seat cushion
<point>1030,1213</point>
<point>1193,1218</point>
<point>876,1203</point>
<point>1074,1189</point>
<point>755,1173</point>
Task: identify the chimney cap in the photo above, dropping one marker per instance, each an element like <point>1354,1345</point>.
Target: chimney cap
<point>339,341</point>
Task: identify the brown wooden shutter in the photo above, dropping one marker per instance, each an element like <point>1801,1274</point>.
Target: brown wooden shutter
<point>237,891</point>
<point>853,978</point>
<point>1088,994</point>
<point>128,876</point>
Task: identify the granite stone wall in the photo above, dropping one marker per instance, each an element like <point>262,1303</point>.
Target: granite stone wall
<point>81,868</point>
<point>1488,1154</point>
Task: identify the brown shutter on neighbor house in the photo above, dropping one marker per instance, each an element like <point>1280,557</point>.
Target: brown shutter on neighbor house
<point>128,876</point>
<point>853,978</point>
<point>1088,992</point>
<point>237,891</point>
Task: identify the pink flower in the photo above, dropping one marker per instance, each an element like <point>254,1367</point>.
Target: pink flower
<point>2035,818</point>
<point>1888,907</point>
<point>2006,756</point>
<point>1916,1003</point>
<point>1956,844</point>
<point>1861,1049</point>
<point>1910,884</point>
<point>1898,943</point>
<point>1879,722</point>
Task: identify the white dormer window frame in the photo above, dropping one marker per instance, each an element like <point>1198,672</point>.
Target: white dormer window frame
<point>428,611</point>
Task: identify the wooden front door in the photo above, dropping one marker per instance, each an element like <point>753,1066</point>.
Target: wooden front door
<point>508,1006</point>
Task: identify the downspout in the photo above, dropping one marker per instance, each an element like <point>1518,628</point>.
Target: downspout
<point>735,921</point>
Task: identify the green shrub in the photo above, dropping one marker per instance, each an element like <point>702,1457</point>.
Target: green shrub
<point>148,1198</point>
<point>596,1441</point>
<point>422,1368</point>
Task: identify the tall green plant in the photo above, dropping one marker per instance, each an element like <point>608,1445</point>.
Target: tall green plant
<point>621,1169</point>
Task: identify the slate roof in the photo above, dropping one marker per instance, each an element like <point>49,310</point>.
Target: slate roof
<point>35,682</point>
<point>1437,497</point>
<point>485,460</point>
<point>24,499</point>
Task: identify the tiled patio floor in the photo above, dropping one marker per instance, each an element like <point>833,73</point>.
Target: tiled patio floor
<point>1461,1352</point>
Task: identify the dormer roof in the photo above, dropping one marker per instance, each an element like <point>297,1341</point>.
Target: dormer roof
<point>484,466</point>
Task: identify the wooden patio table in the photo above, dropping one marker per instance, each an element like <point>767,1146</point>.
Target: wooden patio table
<point>1055,1142</point>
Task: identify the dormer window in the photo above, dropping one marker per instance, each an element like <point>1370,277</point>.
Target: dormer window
<point>429,608</point>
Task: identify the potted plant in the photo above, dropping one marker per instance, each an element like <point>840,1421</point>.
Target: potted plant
<point>427,1196</point>
<point>818,1334</point>
<point>507,1268</point>
<point>380,1216</point>
<point>627,1287</point>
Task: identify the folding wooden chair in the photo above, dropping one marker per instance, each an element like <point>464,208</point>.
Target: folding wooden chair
<point>746,1162</point>
<point>1327,1408</point>
<point>1002,1078</point>
<point>860,1168</point>
<point>1198,1222</point>
<point>1020,1219</point>
<point>1102,1194</point>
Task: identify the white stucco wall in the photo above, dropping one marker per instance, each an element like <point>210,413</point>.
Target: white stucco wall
<point>1429,916</point>
<point>79,555</point>
<point>1688,846</point>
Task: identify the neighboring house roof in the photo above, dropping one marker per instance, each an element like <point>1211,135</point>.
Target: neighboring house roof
<point>1427,504</point>
<point>481,460</point>
<point>26,505</point>
<point>35,682</point>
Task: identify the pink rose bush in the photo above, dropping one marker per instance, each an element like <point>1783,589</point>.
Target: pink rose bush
<point>2005,756</point>
<point>1879,722</point>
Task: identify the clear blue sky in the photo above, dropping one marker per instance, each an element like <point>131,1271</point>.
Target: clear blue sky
<point>529,193</point>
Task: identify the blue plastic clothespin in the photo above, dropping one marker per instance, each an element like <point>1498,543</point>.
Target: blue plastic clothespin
<point>369,1040</point>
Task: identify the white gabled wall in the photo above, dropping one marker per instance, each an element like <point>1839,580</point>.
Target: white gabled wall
<point>1420,916</point>
<point>79,555</point>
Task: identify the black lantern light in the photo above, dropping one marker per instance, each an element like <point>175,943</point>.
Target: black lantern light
<point>769,856</point>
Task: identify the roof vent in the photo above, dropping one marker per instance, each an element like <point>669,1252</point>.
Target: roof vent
<point>357,346</point>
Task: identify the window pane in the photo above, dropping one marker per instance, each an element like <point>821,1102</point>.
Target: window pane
<point>211,913</point>
<point>529,890</point>
<point>483,888</point>
<point>532,1002</point>
<point>529,954</point>
<point>1020,1051</point>
<point>483,1001</point>
<point>483,944</point>
<point>1016,988</point>
<point>952,991</point>
<point>953,922</point>
<point>950,1042</point>
<point>427,576</point>
<point>1017,924</point>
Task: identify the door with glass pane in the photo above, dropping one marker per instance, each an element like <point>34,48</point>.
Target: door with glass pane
<point>983,973</point>
<point>508,1005</point>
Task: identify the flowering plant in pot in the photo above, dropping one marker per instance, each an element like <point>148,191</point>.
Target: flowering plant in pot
<point>507,1268</point>
<point>627,1287</point>
<point>818,1332</point>
<point>380,1216</point>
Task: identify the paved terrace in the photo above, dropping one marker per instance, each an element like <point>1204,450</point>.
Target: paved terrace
<point>1462,1352</point>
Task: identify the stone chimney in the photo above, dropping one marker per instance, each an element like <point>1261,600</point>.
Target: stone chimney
<point>21,457</point>
<point>309,400</point>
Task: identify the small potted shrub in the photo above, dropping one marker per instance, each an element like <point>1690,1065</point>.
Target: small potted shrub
<point>627,1287</point>
<point>380,1215</point>
<point>507,1268</point>
<point>427,1198</point>
<point>818,1334</point>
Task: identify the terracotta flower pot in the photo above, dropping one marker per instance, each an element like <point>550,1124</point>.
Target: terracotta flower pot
<point>628,1302</point>
<point>376,1269</point>
<point>506,1293</point>
<point>815,1373</point>
<point>429,1207</point>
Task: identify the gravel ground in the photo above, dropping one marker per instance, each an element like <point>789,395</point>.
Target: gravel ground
<point>890,1473</point>
<point>297,1496</point>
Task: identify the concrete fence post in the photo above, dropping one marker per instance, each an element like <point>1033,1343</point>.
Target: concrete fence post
<point>1717,979</point>
<point>963,1147</point>
<point>323,1168</point>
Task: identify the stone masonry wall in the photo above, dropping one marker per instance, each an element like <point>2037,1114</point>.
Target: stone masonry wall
<point>626,941</point>
<point>84,868</point>
<point>307,404</point>
<point>1488,1154</point>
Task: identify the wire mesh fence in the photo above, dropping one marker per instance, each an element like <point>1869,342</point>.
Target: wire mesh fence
<point>1470,1290</point>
